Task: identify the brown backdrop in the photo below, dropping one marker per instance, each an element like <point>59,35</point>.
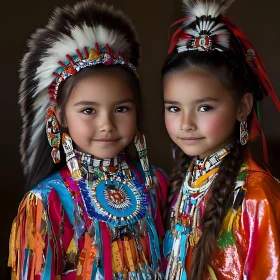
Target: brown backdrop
<point>258,19</point>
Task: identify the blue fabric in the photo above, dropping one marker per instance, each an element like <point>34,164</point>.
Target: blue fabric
<point>55,182</point>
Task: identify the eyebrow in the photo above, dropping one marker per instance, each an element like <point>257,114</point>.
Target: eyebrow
<point>171,102</point>
<point>91,103</point>
<point>85,103</point>
<point>206,99</point>
<point>125,101</point>
<point>202,100</point>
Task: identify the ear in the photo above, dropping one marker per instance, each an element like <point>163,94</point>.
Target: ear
<point>57,112</point>
<point>245,106</point>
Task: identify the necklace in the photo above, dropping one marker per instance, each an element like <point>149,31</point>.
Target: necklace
<point>110,192</point>
<point>186,213</point>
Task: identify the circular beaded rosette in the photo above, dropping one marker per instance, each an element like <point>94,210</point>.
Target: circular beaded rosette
<point>116,201</point>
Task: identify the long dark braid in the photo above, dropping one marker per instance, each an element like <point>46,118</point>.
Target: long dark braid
<point>176,180</point>
<point>216,208</point>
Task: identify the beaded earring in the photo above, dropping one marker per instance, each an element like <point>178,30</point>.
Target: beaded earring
<point>71,159</point>
<point>244,135</point>
<point>53,134</point>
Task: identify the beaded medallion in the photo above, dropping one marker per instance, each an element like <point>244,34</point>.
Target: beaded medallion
<point>113,197</point>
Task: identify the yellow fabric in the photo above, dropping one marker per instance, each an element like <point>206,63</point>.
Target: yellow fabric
<point>204,177</point>
<point>117,264</point>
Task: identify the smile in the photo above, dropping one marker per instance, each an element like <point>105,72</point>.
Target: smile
<point>106,141</point>
<point>191,140</point>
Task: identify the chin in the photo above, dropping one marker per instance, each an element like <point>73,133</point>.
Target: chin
<point>192,152</point>
<point>106,154</point>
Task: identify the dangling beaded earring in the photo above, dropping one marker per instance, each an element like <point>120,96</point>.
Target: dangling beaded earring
<point>53,134</point>
<point>71,159</point>
<point>244,135</point>
<point>141,147</point>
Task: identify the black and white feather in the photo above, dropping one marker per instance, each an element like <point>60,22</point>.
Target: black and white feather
<point>68,29</point>
<point>204,21</point>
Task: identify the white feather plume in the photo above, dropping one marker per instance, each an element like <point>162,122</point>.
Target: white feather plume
<point>199,8</point>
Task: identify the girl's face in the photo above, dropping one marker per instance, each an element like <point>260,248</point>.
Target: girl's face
<point>101,115</point>
<point>200,114</point>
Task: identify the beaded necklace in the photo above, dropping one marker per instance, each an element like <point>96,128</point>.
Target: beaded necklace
<point>186,213</point>
<point>110,192</point>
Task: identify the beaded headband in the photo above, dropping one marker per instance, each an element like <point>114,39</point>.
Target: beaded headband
<point>87,58</point>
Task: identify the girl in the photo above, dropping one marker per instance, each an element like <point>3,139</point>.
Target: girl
<point>90,214</point>
<point>225,210</point>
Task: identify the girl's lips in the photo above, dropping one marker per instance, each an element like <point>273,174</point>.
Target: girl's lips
<point>106,140</point>
<point>191,138</point>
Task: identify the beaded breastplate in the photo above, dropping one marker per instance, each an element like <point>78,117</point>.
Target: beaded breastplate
<point>113,208</point>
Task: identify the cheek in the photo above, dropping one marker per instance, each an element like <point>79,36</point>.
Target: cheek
<point>128,124</point>
<point>218,124</point>
<point>79,126</point>
<point>171,124</point>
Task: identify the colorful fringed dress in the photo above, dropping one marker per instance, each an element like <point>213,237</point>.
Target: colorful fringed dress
<point>101,227</point>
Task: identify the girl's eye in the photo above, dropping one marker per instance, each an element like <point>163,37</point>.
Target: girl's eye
<point>173,109</point>
<point>88,111</point>
<point>205,108</point>
<point>122,109</point>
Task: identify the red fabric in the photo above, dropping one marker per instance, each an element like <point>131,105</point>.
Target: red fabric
<point>55,209</point>
<point>161,199</point>
<point>106,243</point>
<point>176,34</point>
<point>258,68</point>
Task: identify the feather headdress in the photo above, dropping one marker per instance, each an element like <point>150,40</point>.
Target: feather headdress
<point>75,37</point>
<point>202,29</point>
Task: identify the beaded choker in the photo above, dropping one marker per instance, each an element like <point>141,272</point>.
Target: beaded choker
<point>94,167</point>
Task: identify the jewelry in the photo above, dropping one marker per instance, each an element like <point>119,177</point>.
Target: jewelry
<point>53,134</point>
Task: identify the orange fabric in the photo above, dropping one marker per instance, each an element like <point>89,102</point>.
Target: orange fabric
<point>26,235</point>
<point>256,230</point>
<point>38,237</point>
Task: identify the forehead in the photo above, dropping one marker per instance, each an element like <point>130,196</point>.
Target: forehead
<point>193,83</point>
<point>102,87</point>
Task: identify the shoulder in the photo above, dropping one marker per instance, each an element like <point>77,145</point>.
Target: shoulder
<point>261,184</point>
<point>43,189</point>
<point>160,181</point>
<point>262,199</point>
<point>52,191</point>
<point>158,175</point>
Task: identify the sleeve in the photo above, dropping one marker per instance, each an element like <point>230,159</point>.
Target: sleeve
<point>161,183</point>
<point>158,194</point>
<point>261,221</point>
<point>30,230</point>
<point>42,239</point>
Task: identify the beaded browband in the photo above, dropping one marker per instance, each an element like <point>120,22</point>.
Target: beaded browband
<point>87,58</point>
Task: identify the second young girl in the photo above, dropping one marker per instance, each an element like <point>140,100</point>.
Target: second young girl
<point>91,214</point>
<point>225,209</point>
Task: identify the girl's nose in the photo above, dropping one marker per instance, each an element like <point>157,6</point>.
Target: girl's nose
<point>107,123</point>
<point>187,122</point>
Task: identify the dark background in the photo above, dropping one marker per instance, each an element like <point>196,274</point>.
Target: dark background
<point>258,19</point>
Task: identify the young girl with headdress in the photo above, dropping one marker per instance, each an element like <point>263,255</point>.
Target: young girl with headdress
<point>91,214</point>
<point>225,209</point>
